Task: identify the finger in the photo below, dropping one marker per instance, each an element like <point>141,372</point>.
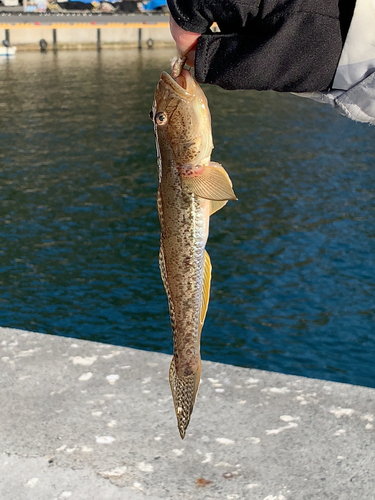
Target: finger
<point>190,56</point>
<point>185,40</point>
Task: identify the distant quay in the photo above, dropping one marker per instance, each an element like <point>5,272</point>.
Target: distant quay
<point>84,30</point>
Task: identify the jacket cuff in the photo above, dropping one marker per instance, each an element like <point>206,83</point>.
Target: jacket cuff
<point>292,58</point>
<point>198,15</point>
<point>188,16</point>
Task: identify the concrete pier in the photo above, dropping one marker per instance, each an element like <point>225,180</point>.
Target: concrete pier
<point>80,30</point>
<point>83,420</point>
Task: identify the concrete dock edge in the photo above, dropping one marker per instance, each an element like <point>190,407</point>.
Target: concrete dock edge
<point>83,420</point>
<point>65,31</point>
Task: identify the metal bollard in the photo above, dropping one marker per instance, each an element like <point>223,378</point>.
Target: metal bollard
<point>98,44</point>
<point>54,37</point>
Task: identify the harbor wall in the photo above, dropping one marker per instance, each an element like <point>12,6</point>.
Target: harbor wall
<point>87,36</point>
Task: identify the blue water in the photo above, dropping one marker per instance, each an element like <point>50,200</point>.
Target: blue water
<point>293,260</point>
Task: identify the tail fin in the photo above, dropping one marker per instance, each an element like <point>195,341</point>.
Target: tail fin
<point>184,392</point>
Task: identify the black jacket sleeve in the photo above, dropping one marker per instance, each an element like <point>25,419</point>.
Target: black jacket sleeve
<point>283,45</point>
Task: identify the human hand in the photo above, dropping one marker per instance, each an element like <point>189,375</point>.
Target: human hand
<point>185,41</point>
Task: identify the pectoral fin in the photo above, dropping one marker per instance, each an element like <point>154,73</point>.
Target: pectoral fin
<point>213,183</point>
<point>216,205</point>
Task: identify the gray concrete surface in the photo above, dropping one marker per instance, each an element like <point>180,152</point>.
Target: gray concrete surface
<point>83,421</point>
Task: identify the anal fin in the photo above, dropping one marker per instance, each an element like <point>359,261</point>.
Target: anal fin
<point>206,284</point>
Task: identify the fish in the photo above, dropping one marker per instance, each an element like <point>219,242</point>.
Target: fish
<point>191,188</point>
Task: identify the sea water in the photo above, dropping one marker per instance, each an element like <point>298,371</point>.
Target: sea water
<point>293,280</point>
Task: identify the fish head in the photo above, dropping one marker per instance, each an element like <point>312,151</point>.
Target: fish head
<point>182,119</point>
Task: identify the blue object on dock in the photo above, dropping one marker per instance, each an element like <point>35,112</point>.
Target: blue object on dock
<point>154,5</point>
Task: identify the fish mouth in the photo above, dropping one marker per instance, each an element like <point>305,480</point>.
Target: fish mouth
<point>183,85</point>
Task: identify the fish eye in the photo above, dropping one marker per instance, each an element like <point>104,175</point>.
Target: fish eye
<point>151,115</point>
<point>161,118</point>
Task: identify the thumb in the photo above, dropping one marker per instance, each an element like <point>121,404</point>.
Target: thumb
<point>185,41</point>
